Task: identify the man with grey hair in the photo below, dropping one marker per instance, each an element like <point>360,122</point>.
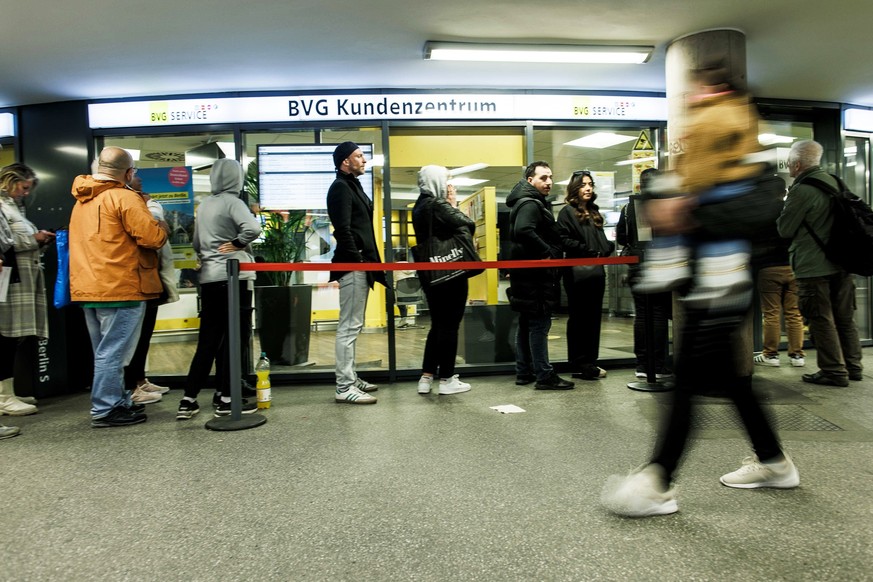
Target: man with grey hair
<point>826,292</point>
<point>113,272</point>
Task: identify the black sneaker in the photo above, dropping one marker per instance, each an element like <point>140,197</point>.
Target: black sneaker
<point>216,399</point>
<point>856,375</point>
<point>525,379</point>
<point>223,409</point>
<point>136,408</point>
<point>823,378</point>
<point>187,409</point>
<point>554,382</point>
<point>120,416</point>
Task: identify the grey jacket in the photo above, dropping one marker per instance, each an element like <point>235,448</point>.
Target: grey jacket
<point>222,218</point>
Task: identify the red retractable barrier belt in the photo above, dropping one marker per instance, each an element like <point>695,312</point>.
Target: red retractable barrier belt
<point>540,264</point>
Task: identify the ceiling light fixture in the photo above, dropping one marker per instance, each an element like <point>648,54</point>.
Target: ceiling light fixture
<point>532,53</point>
<point>468,169</point>
<point>462,182</point>
<point>600,140</point>
<point>636,161</point>
<point>766,139</point>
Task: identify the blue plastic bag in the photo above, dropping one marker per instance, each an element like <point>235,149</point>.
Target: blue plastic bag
<point>62,283</point>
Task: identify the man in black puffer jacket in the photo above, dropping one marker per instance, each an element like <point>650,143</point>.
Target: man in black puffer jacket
<point>533,293</point>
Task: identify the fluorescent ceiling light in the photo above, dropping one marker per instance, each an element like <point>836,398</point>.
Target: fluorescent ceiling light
<point>467,169</point>
<point>636,161</point>
<point>600,140</point>
<point>458,182</point>
<point>83,151</point>
<point>772,138</point>
<point>532,53</point>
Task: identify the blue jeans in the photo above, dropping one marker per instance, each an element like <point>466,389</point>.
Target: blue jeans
<point>352,305</point>
<point>532,346</point>
<point>114,333</point>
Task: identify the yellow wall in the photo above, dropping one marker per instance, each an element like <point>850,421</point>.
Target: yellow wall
<point>456,150</point>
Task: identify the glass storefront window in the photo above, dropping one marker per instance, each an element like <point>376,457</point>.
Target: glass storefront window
<point>485,163</point>
<point>296,325</point>
<point>856,169</point>
<point>616,157</point>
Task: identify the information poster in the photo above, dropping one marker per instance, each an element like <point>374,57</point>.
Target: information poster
<point>173,189</point>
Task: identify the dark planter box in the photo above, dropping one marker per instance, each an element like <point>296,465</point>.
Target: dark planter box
<point>283,316</point>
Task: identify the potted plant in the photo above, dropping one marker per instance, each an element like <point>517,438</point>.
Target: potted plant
<point>283,310</point>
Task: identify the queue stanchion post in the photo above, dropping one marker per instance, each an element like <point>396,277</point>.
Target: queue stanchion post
<point>652,384</point>
<point>236,420</point>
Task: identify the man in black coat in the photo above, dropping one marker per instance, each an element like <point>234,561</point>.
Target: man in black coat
<point>351,214</point>
<point>533,293</point>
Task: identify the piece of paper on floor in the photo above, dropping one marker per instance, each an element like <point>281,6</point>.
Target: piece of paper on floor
<point>508,408</point>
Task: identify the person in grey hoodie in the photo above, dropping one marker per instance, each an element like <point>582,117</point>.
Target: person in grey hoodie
<point>223,228</point>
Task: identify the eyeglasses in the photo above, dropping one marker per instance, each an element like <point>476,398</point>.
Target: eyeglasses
<point>578,173</point>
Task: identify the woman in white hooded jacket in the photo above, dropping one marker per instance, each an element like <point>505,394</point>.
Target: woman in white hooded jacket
<point>435,214</point>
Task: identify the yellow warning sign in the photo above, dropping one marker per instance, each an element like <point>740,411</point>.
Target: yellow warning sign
<point>643,142</point>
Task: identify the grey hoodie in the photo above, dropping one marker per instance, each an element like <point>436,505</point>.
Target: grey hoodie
<point>222,218</point>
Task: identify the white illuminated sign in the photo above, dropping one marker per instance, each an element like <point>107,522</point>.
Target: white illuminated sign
<point>858,120</point>
<point>7,125</point>
<point>417,106</point>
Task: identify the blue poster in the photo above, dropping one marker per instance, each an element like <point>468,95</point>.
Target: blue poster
<point>173,189</point>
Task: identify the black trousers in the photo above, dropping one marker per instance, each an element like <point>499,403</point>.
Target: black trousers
<point>706,354</point>
<point>135,370</point>
<point>212,341</point>
<point>446,302</point>
<point>585,315</point>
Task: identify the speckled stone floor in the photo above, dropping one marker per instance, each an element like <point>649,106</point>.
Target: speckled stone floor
<point>434,488</point>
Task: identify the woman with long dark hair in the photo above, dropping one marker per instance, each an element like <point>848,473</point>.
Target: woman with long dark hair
<point>580,225</point>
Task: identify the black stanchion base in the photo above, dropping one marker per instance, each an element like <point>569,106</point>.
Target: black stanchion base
<point>227,423</point>
<point>651,387</point>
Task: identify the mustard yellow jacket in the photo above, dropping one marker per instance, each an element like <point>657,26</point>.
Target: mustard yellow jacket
<point>113,243</point>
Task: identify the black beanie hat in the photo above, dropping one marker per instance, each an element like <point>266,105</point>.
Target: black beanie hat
<point>343,151</point>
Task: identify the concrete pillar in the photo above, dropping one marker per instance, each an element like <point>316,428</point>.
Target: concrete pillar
<point>686,54</point>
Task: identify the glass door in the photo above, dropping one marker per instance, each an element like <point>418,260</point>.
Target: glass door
<point>856,174</point>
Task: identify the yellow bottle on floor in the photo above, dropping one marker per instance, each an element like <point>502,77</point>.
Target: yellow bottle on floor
<point>262,370</point>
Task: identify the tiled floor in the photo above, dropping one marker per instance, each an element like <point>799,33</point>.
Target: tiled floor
<point>435,488</point>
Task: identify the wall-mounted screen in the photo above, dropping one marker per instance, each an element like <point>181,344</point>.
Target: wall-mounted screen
<point>297,176</point>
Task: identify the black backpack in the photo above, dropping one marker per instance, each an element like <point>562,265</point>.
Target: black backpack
<point>850,245</point>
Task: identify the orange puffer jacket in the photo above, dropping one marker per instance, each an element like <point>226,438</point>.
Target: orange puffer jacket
<point>113,239</point>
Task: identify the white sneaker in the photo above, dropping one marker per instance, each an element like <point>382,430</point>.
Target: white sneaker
<point>150,387</point>
<point>640,494</point>
<point>424,384</point>
<point>754,474</point>
<point>365,386</point>
<point>7,432</point>
<point>27,399</point>
<point>765,360</point>
<point>14,407</point>
<point>354,395</point>
<point>140,396</point>
<point>797,361</point>
<point>453,386</point>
